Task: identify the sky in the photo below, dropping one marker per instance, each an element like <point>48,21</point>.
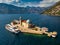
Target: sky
<point>34,3</point>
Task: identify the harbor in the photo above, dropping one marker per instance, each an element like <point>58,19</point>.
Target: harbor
<point>26,27</point>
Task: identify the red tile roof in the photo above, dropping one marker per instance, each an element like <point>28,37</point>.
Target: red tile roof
<point>23,21</point>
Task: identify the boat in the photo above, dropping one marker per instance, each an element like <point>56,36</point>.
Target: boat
<point>54,34</point>
<point>12,29</point>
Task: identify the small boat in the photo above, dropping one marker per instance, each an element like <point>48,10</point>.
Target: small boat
<point>12,29</point>
<point>53,36</point>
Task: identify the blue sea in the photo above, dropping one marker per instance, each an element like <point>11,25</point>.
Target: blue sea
<point>8,38</point>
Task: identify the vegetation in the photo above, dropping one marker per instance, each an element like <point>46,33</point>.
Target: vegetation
<point>35,35</point>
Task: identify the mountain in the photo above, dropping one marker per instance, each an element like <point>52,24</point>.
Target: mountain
<point>54,10</point>
<point>11,9</point>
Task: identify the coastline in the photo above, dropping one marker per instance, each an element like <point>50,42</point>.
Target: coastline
<point>51,15</point>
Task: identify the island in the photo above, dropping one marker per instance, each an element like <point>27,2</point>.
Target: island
<point>25,26</point>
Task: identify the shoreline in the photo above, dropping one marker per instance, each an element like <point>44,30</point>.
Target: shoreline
<point>51,15</point>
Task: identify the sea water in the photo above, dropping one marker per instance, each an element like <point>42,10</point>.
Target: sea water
<point>8,38</point>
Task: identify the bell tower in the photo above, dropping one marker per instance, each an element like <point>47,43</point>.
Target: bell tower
<point>27,22</point>
<point>20,21</point>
